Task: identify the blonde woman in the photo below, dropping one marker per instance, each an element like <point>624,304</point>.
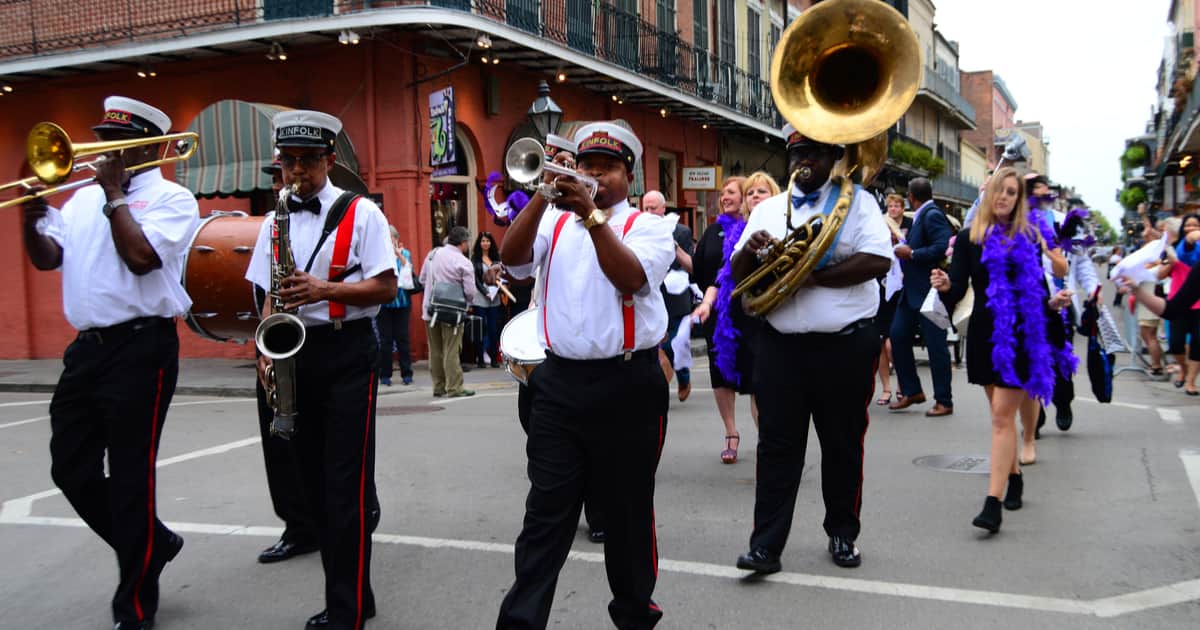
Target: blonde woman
<point>727,329</point>
<point>898,224</point>
<point>1015,342</point>
<point>758,186</point>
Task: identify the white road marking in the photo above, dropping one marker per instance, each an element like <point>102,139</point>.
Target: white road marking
<point>1169,415</point>
<point>19,511</point>
<point>1191,464</point>
<point>24,403</point>
<point>1115,403</point>
<point>189,403</point>
<point>18,423</point>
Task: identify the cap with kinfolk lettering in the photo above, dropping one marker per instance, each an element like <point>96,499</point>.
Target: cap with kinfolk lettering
<point>609,139</point>
<point>305,128</point>
<point>127,114</point>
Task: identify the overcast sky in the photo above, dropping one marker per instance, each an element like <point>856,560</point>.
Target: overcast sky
<point>1086,70</point>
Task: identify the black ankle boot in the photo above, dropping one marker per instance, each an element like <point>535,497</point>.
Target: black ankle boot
<point>1012,498</point>
<point>989,518</point>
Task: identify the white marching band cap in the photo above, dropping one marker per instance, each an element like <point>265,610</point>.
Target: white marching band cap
<point>127,114</point>
<point>609,139</point>
<point>561,144</point>
<point>305,128</point>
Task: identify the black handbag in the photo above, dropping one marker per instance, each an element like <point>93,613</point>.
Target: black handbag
<point>447,304</point>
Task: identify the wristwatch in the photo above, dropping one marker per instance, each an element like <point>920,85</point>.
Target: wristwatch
<point>111,206</point>
<point>597,217</point>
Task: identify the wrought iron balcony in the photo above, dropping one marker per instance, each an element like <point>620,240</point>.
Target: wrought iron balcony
<point>937,85</point>
<point>954,188</point>
<point>37,28</point>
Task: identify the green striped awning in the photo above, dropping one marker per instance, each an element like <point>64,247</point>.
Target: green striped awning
<point>235,143</point>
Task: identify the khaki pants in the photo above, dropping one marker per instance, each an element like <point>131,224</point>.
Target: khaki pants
<point>445,342</point>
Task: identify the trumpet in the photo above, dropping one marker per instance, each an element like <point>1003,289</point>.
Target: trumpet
<point>52,157</point>
<point>526,160</point>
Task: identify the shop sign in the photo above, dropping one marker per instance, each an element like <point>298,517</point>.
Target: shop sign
<point>441,133</point>
<point>701,177</point>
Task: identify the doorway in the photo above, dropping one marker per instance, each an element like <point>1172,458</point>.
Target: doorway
<point>453,199</point>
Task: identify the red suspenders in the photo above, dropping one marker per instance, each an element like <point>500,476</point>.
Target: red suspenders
<point>341,255</point>
<point>627,310</point>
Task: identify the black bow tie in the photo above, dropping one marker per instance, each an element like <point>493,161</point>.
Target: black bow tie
<point>312,205</point>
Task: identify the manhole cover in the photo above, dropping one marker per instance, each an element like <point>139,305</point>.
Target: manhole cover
<point>406,410</point>
<point>975,464</point>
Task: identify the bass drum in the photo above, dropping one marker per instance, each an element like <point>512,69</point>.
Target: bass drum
<point>224,307</point>
<point>519,346</point>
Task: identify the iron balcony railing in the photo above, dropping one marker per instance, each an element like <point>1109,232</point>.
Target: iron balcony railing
<point>598,29</point>
<point>949,186</point>
<point>945,90</point>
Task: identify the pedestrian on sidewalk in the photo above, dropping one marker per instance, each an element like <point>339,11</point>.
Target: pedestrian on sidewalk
<point>676,289</point>
<point>393,317</point>
<point>923,249</point>
<point>448,270</point>
<point>119,244</point>
<point>1015,340</point>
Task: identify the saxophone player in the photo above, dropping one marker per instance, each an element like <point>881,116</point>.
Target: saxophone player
<point>344,269</point>
<point>816,357</point>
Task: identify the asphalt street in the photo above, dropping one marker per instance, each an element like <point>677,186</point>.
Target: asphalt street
<point>1108,537</point>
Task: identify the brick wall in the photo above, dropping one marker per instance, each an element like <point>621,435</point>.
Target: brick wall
<point>977,88</point>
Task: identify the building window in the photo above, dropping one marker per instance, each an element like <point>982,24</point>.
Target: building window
<point>754,47</point>
<point>700,44</point>
<point>776,34</point>
<point>668,181</point>
<point>727,53</point>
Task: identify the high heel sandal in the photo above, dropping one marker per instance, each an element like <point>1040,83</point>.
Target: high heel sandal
<point>729,455</point>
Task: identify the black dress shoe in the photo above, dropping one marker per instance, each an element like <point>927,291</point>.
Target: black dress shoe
<point>759,560</point>
<point>844,553</point>
<point>597,535</point>
<point>1012,498</point>
<point>1064,418</point>
<point>321,619</point>
<point>145,624</point>
<point>283,550</point>
<point>989,518</point>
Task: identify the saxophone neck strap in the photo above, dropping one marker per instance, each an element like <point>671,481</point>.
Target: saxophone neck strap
<point>332,220</point>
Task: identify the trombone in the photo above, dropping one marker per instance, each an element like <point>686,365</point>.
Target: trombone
<point>52,157</point>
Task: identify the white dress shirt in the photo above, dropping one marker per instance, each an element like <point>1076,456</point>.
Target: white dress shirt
<point>581,307</point>
<point>826,309</point>
<point>370,246</point>
<point>98,288</point>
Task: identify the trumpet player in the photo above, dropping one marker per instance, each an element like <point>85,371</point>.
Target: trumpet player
<point>816,357</point>
<point>344,269</point>
<point>599,401</point>
<point>119,245</point>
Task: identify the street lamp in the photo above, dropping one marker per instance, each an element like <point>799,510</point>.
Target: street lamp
<point>544,113</point>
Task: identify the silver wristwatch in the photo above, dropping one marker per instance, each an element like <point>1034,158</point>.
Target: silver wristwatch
<point>111,207</point>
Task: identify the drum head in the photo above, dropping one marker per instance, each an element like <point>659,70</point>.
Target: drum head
<point>519,341</point>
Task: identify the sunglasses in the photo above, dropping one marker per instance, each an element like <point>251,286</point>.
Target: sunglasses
<point>308,160</point>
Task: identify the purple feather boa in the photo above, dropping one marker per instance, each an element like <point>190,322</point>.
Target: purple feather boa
<point>516,201</point>
<point>1016,284</point>
<point>725,335</point>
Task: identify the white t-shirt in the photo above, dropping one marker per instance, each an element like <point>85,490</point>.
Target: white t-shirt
<point>581,314</point>
<point>826,309</point>
<point>98,288</point>
<point>370,247</point>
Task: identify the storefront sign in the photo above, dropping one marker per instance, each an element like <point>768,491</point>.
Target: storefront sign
<point>441,133</point>
<point>701,177</point>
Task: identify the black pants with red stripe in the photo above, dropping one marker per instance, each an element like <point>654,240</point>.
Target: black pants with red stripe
<point>334,447</point>
<point>112,398</point>
<point>829,379</point>
<point>592,420</point>
<point>591,509</point>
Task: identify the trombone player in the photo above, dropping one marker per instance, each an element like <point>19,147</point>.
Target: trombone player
<point>119,245</point>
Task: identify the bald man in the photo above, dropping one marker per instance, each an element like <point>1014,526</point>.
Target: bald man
<point>678,305</point>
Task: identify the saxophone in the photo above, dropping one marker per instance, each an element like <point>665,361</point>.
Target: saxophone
<point>281,335</point>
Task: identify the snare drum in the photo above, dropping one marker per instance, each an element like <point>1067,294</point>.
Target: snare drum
<point>214,270</point>
<point>519,346</point>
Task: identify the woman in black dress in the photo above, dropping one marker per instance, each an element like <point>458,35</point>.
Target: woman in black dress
<point>1014,339</point>
<point>710,257</point>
